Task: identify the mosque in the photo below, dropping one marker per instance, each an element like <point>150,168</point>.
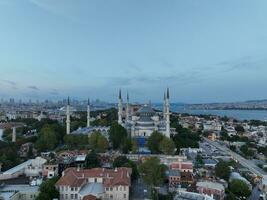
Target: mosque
<point>142,122</point>
<point>104,130</point>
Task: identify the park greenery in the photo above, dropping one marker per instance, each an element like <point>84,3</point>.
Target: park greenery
<point>239,189</point>
<point>122,161</point>
<point>158,143</point>
<point>92,160</point>
<point>153,172</point>
<point>48,190</point>
<point>98,142</point>
<point>185,138</point>
<point>222,170</point>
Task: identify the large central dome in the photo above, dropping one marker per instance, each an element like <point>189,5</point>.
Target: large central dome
<point>146,110</point>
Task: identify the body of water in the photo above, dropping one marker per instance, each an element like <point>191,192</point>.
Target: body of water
<point>237,114</point>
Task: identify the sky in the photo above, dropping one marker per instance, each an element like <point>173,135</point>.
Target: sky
<point>203,50</point>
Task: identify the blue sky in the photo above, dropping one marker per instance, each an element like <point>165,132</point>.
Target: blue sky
<point>205,51</point>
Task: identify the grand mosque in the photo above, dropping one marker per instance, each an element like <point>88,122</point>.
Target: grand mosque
<point>143,121</point>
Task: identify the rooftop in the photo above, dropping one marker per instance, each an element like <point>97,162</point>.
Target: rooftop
<point>92,188</point>
<point>77,177</point>
<point>211,185</point>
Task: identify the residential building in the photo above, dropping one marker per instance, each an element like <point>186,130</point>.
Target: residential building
<point>99,183</point>
<point>213,189</point>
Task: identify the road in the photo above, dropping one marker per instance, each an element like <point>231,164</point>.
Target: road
<point>244,162</point>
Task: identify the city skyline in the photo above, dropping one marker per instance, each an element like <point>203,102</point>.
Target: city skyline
<point>204,52</point>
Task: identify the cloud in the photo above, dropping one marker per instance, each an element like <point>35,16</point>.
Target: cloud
<point>61,8</point>
<point>33,87</point>
<point>9,82</point>
<point>244,63</point>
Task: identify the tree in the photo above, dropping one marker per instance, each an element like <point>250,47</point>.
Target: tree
<point>185,138</point>
<point>48,190</point>
<point>239,128</point>
<point>92,160</point>
<point>246,151</point>
<point>75,141</point>
<point>122,161</point>
<point>134,146</point>
<point>224,134</point>
<point>167,146</point>
<point>199,160</point>
<point>222,170</point>
<point>239,188</point>
<point>153,172</point>
<point>126,145</point>
<point>47,139</point>
<point>117,135</point>
<point>98,142</point>
<point>153,142</point>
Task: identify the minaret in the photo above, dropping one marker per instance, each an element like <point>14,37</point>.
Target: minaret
<point>68,117</point>
<point>14,134</point>
<point>168,114</point>
<point>164,106</point>
<point>127,108</point>
<point>88,113</point>
<point>120,109</point>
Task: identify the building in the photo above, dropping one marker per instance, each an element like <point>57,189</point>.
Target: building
<point>143,122</point>
<point>32,167</point>
<point>174,177</point>
<point>213,189</point>
<point>50,170</point>
<point>183,166</point>
<point>97,183</point>
<point>182,195</point>
<point>18,192</point>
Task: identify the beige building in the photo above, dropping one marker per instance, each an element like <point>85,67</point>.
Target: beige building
<point>97,183</point>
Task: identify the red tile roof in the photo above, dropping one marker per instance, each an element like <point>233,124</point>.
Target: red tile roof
<point>111,177</point>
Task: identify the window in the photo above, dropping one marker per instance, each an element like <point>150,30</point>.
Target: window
<point>124,196</point>
<point>71,196</point>
<point>111,196</point>
<point>95,180</point>
<point>111,189</point>
<point>76,196</point>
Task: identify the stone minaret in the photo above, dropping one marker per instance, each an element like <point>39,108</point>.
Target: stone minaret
<point>88,113</point>
<point>168,114</point>
<point>14,134</point>
<point>127,108</point>
<point>68,117</point>
<point>164,106</point>
<point>120,109</point>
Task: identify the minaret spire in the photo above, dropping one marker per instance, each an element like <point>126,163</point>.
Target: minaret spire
<point>68,117</point>
<point>120,108</point>
<point>127,107</point>
<point>164,106</point>
<point>167,113</point>
<point>88,113</point>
